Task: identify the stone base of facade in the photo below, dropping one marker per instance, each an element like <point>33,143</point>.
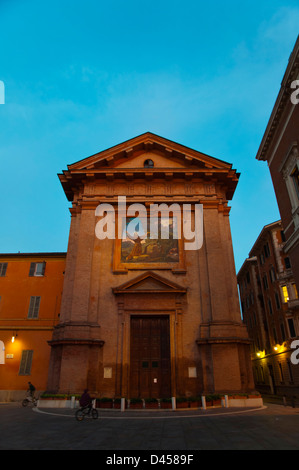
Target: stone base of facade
<point>232,403</point>
<point>245,402</point>
<point>7,396</point>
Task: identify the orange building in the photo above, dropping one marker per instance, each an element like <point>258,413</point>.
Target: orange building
<point>30,296</point>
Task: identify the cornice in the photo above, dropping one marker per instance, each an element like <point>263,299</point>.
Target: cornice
<point>185,164</point>
<point>165,285</point>
<point>223,340</point>
<point>283,99</point>
<point>263,236</point>
<point>73,181</point>
<point>34,256</point>
<point>77,342</point>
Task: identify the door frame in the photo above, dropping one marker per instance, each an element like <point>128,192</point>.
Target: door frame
<point>162,297</point>
<point>151,316</point>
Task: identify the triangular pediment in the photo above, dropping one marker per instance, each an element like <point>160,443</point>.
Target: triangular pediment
<point>149,282</point>
<point>165,154</point>
<point>130,159</point>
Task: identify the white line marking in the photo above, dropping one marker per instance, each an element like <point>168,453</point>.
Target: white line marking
<point>124,416</point>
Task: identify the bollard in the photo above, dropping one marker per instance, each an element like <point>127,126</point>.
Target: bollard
<point>122,404</point>
<point>173,401</point>
<point>226,401</point>
<point>284,399</point>
<point>203,403</point>
<point>73,402</point>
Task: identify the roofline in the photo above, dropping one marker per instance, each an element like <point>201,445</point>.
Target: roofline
<point>263,231</point>
<point>251,255</point>
<point>60,254</point>
<point>149,135</point>
<point>283,92</point>
<point>247,260</point>
<point>73,176</point>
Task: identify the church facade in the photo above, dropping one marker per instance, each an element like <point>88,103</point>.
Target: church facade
<point>145,316</point>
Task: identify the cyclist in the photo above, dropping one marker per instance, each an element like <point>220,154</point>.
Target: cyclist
<point>31,390</point>
<point>86,400</point>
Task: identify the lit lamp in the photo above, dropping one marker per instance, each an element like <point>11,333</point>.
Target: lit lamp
<point>258,354</point>
<point>14,335</point>
<point>275,348</point>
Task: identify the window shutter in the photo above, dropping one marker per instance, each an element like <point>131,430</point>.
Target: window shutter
<point>36,307</point>
<point>31,307</point>
<point>26,362</point>
<point>23,362</point>
<point>32,269</point>
<point>3,267</point>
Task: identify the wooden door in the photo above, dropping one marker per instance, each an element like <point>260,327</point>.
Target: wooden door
<point>150,357</point>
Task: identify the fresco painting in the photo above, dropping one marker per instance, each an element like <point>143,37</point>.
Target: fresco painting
<point>138,247</point>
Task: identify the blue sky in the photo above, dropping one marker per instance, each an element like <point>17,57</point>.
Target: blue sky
<point>81,77</point>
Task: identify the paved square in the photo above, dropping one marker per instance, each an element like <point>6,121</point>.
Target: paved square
<point>273,427</point>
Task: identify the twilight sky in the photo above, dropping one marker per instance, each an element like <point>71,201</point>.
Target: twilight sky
<point>81,77</point>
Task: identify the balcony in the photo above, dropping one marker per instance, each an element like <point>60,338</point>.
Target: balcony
<point>285,275</point>
<point>294,303</point>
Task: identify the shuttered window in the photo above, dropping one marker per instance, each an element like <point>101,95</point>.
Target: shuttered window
<point>295,178</point>
<point>3,268</point>
<point>37,269</point>
<point>26,362</point>
<point>34,307</point>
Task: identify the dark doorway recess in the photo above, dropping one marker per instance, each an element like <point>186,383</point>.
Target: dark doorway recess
<point>150,375</point>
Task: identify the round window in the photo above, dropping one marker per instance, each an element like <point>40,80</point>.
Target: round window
<point>148,164</point>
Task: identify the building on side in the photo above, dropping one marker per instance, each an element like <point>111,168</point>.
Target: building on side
<point>270,309</point>
<point>280,149</point>
<point>30,296</point>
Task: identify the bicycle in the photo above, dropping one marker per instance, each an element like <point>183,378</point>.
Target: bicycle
<point>29,400</point>
<point>84,411</point>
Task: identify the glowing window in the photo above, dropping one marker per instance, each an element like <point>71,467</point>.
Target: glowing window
<point>285,294</point>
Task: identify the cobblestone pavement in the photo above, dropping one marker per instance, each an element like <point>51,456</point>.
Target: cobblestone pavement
<point>273,427</point>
